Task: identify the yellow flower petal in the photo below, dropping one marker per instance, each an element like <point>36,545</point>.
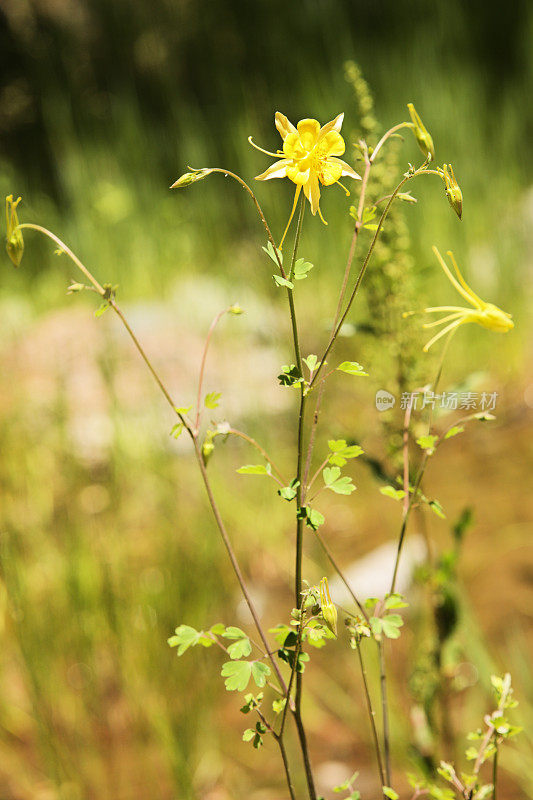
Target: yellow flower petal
<point>334,125</point>
<point>276,170</point>
<point>332,144</point>
<point>292,146</point>
<point>283,125</point>
<point>312,192</point>
<point>347,170</point>
<point>329,172</point>
<point>308,130</point>
<point>298,172</point>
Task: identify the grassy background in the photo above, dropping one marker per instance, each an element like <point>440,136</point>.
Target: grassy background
<point>106,541</point>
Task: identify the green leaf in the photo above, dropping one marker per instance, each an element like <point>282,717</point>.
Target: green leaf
<point>211,399</point>
<point>337,484</point>
<point>453,431</point>
<point>279,705</point>
<point>428,443</point>
<point>437,509</point>
<point>341,451</point>
<point>240,649</point>
<point>330,475</point>
<point>218,628</point>
<point>391,624</point>
<point>237,674</point>
<point>185,637</point>
<point>249,733</point>
<point>311,362</point>
<point>390,793</point>
<point>283,282</point>
<point>280,632</point>
<point>260,673</point>
<point>289,492</point>
<point>271,253</point>
<point>352,368</point>
<point>390,491</point>
<point>484,416</point>
<point>254,469</point>
<point>176,430</point>
<point>232,632</point>
<point>289,375</point>
<point>101,309</point>
<point>395,601</point>
<point>182,409</point>
<point>301,269</point>
<point>314,518</point>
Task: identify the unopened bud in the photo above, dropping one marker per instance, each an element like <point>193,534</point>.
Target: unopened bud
<point>453,191</point>
<point>328,608</point>
<point>422,135</point>
<point>76,287</point>
<point>235,309</point>
<point>191,177</point>
<point>14,239</point>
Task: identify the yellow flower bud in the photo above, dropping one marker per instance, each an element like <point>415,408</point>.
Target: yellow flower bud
<point>327,607</point>
<point>453,192</point>
<point>14,240</point>
<point>191,177</point>
<point>422,135</point>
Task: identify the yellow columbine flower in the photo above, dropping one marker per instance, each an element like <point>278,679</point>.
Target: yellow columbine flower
<point>485,314</point>
<point>309,158</point>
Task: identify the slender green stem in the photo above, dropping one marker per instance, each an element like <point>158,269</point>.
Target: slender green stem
<point>495,773</point>
<point>413,496</point>
<point>371,715</point>
<point>385,711</point>
<point>299,521</point>
<point>202,367</point>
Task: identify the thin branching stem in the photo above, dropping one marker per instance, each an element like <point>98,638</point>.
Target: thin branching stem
<point>202,367</point>
<point>371,714</point>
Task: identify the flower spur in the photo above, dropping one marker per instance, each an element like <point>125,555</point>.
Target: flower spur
<point>309,158</point>
<point>485,314</point>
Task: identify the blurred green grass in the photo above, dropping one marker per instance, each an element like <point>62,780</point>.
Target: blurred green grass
<point>102,106</point>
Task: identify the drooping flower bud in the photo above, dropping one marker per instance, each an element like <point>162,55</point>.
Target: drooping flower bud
<point>422,135</point>
<point>453,191</point>
<point>328,608</point>
<point>191,177</point>
<point>14,239</point>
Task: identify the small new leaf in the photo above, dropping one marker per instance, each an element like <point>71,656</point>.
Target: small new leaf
<point>453,431</point>
<point>352,368</point>
<point>390,793</point>
<point>211,399</point>
<point>390,491</point>
<point>302,269</point>
<point>272,253</point>
<point>184,638</point>
<point>427,443</point>
<point>279,281</point>
<point>254,469</point>
<point>334,481</point>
